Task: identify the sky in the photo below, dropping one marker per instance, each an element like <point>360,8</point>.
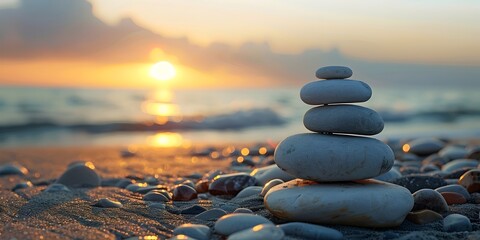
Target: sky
<point>238,43</point>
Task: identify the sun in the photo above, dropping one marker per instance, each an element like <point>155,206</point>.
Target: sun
<point>162,71</point>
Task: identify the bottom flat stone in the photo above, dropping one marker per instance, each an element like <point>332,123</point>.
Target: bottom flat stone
<point>365,203</point>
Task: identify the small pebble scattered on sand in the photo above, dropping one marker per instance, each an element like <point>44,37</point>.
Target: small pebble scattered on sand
<point>13,169</point>
<point>107,203</point>
<point>456,223</point>
<point>196,231</point>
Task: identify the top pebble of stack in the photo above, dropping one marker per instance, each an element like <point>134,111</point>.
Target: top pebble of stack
<point>334,72</point>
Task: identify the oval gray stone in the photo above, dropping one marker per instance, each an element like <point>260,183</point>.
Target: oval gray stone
<point>107,203</point>
<point>365,203</point>
<point>335,91</point>
<point>425,146</point>
<point>459,164</point>
<point>389,176</point>
<point>345,118</point>
<point>456,223</point>
<point>79,176</point>
<point>332,72</point>
<point>212,214</point>
<point>453,152</point>
<point>269,186</point>
<point>22,185</point>
<point>155,197</point>
<point>243,210</point>
<point>265,174</point>
<point>249,191</point>
<point>259,232</point>
<point>13,169</point>
<point>196,231</point>
<point>236,222</point>
<point>329,158</point>
<point>310,231</point>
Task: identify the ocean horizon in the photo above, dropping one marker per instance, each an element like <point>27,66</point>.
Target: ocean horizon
<point>165,117</point>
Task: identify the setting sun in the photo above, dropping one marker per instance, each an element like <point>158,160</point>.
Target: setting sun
<point>162,71</point>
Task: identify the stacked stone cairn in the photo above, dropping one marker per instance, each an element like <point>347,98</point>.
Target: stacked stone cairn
<point>333,165</point>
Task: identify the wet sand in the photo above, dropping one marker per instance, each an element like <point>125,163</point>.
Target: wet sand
<point>31,213</point>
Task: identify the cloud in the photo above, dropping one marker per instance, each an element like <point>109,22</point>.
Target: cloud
<point>67,29</point>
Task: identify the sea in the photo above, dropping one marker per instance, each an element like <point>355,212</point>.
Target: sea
<point>43,117</point>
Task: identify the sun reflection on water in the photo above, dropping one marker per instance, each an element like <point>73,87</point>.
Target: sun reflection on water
<point>160,104</point>
<point>166,139</point>
<point>163,112</point>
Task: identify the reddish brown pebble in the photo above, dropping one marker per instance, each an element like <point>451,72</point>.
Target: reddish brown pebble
<point>471,180</point>
<point>231,184</point>
<point>453,198</point>
<point>183,193</point>
<point>202,186</point>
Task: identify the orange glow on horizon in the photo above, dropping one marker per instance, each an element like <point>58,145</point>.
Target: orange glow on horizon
<point>75,73</point>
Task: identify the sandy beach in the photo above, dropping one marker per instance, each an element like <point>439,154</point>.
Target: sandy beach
<point>32,213</point>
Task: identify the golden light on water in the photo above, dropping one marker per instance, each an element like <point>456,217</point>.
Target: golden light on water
<point>166,139</point>
<point>160,109</point>
<point>161,106</point>
<point>406,148</point>
<point>162,95</point>
<point>162,71</point>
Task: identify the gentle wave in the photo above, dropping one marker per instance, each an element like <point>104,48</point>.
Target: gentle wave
<point>238,120</point>
<point>27,112</point>
<point>233,121</point>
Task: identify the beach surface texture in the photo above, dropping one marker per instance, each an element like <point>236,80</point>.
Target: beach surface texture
<point>43,211</point>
